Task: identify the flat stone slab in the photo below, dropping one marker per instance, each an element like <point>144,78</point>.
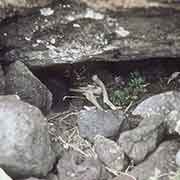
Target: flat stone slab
<point>75,33</point>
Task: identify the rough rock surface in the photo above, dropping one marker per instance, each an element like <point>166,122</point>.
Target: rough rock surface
<point>3,175</point>
<point>117,4</point>
<point>2,81</point>
<point>74,166</point>
<point>162,161</point>
<point>24,3</point>
<point>144,139</point>
<point>41,40</point>
<point>10,8</point>
<point>95,122</point>
<point>110,153</point>
<point>25,148</point>
<point>165,104</point>
<point>20,81</point>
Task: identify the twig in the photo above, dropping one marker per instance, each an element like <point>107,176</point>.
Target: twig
<point>120,172</point>
<point>72,97</point>
<point>67,145</point>
<point>128,107</point>
<point>60,114</point>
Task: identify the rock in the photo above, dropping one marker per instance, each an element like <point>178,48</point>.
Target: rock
<point>3,175</point>
<point>25,148</point>
<point>24,3</point>
<point>162,161</point>
<point>20,81</point>
<point>110,153</point>
<point>144,139</point>
<point>95,122</point>
<point>165,104</point>
<point>161,104</point>
<point>69,36</point>
<point>66,49</point>
<point>178,158</point>
<point>32,178</point>
<point>118,4</point>
<point>2,81</point>
<point>74,166</point>
<point>52,176</point>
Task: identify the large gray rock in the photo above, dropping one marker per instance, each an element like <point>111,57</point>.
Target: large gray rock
<point>166,105</point>
<point>20,81</point>
<point>162,161</point>
<point>95,122</point>
<point>144,139</point>
<point>110,153</point>
<point>80,38</point>
<point>160,104</point>
<point>25,148</point>
<point>2,81</point>
<point>75,33</point>
<point>75,166</point>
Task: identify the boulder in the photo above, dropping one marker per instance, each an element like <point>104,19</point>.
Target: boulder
<point>25,148</point>
<point>95,122</point>
<point>144,139</point>
<point>75,166</point>
<point>110,153</point>
<point>74,33</point>
<point>21,81</point>
<point>160,162</point>
<point>166,105</point>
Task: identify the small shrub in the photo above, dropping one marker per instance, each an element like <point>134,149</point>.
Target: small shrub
<point>134,87</point>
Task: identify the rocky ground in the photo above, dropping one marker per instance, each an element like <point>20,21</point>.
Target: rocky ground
<point>88,93</point>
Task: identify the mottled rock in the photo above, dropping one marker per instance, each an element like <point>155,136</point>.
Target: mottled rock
<point>110,153</point>
<point>3,175</point>
<point>74,166</point>
<point>24,3</point>
<point>161,104</point>
<point>165,104</point>
<point>75,33</point>
<point>74,42</point>
<point>162,161</point>
<point>20,81</point>
<point>95,122</point>
<point>144,139</point>
<point>2,81</point>
<point>118,4</point>
<point>25,148</point>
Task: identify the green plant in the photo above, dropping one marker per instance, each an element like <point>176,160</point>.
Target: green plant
<point>135,86</point>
